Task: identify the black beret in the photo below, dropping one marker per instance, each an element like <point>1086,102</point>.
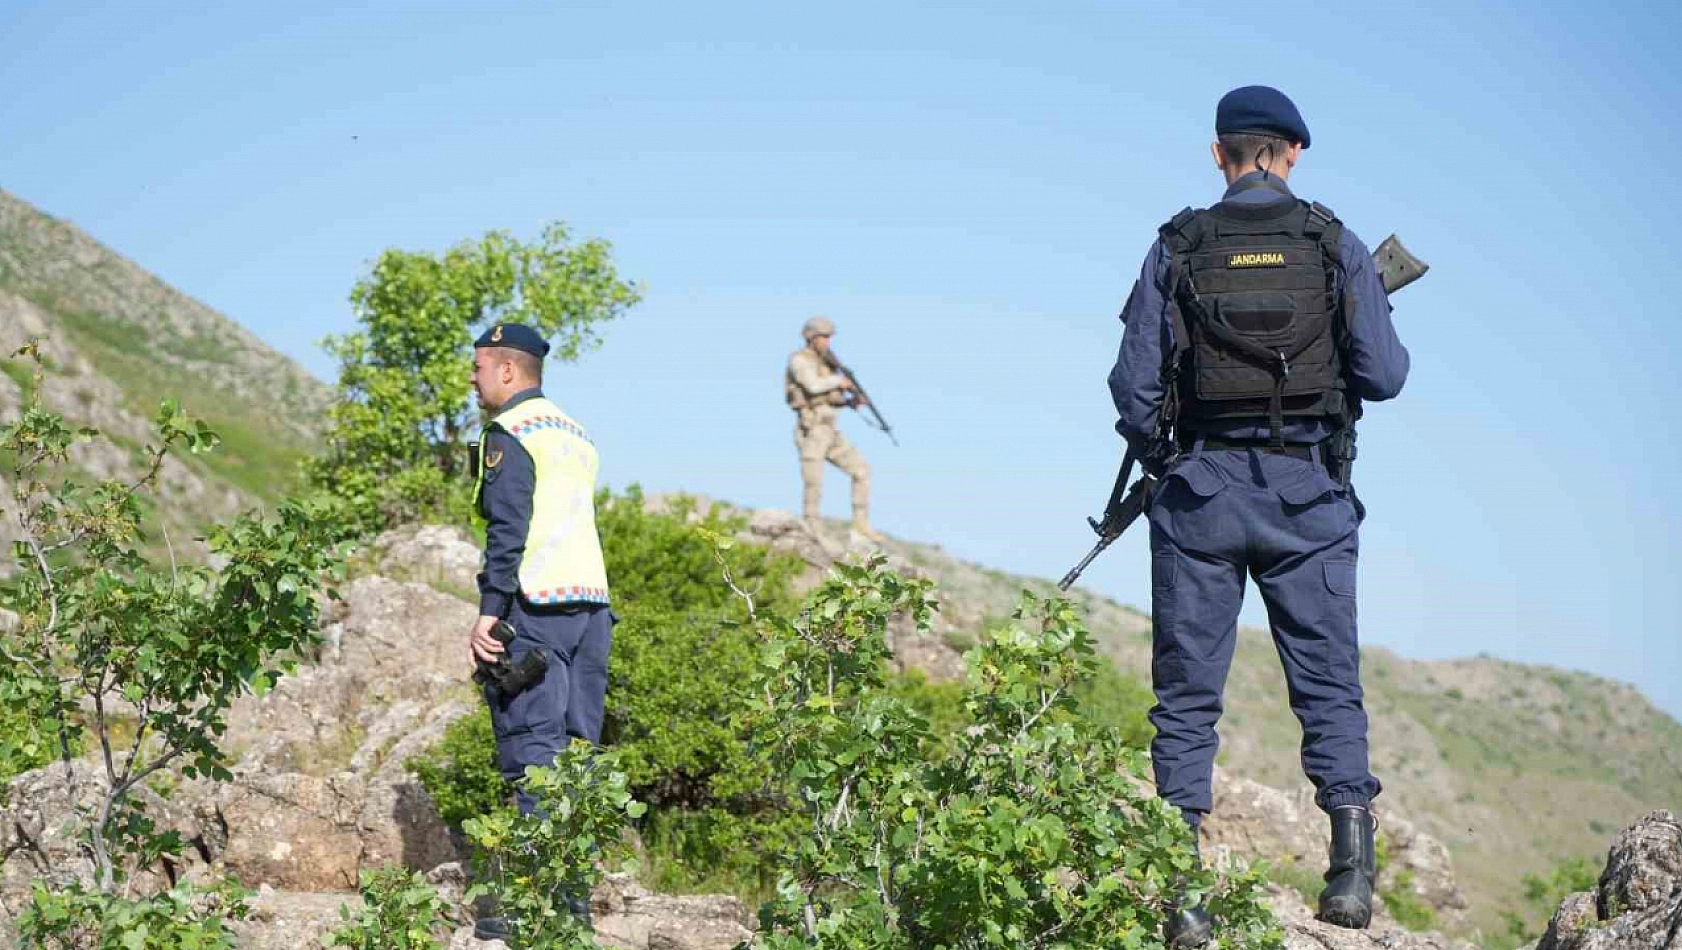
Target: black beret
<point>515,336</point>
<point>1260,109</point>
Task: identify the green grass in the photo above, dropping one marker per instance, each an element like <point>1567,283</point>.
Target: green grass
<point>20,373</point>
<point>1304,880</point>
<point>259,459</point>
<point>1405,906</point>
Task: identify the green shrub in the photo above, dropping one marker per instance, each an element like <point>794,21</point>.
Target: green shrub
<point>400,911</point>
<point>1120,701</point>
<point>664,562</point>
<point>1032,832</point>
<point>459,770</point>
<point>179,643</point>
<point>1404,905</point>
<point>717,850</point>
<point>79,918</point>
<point>1542,895</point>
<point>538,861</point>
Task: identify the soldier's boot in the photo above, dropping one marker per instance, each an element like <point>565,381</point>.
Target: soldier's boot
<point>1192,926</point>
<point>861,513</point>
<point>1347,899</point>
<point>579,907</point>
<point>494,928</point>
<point>862,529</point>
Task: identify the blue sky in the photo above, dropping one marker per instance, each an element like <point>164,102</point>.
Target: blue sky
<point>968,190</point>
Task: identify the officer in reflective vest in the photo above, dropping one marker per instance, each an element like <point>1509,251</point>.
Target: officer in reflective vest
<point>543,569</point>
<point>1255,331</point>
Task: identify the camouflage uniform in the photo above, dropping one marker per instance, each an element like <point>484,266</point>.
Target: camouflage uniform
<point>815,392</point>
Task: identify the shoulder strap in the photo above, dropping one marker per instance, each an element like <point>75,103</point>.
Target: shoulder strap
<point>1182,232</point>
<point>1324,228</point>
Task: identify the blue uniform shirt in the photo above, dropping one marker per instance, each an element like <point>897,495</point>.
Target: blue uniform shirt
<point>1377,363</point>
<point>506,507</point>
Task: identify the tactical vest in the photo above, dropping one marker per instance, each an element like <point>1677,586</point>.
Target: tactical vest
<point>562,563</point>
<point>1258,328</point>
<point>812,407</point>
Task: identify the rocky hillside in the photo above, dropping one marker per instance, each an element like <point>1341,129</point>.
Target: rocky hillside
<point>320,792</point>
<point>1513,767</point>
<point>118,340</point>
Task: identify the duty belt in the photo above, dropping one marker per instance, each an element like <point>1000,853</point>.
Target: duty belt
<point>1296,450</point>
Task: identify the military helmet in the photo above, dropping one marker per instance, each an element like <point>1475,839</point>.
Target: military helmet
<point>816,327</point>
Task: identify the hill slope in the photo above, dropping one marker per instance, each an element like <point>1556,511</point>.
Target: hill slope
<point>1514,767</point>
<point>118,341</point>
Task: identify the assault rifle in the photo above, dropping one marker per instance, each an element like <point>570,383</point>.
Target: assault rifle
<point>860,396</point>
<point>1397,267</point>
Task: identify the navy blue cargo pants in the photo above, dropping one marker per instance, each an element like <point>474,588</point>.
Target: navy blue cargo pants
<point>534,725</point>
<point>1218,516</point>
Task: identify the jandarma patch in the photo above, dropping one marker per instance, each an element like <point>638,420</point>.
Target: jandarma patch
<point>1268,259</point>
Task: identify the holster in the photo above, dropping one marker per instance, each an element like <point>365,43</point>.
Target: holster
<point>1340,455</point>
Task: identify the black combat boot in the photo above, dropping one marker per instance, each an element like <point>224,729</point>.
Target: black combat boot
<point>494,928</point>
<point>1347,899</point>
<point>579,907</point>
<point>1190,926</point>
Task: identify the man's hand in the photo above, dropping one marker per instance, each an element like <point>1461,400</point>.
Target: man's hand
<point>848,385</point>
<point>484,646</point>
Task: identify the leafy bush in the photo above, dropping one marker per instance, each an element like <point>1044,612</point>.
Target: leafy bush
<point>75,917</point>
<point>1120,701</point>
<point>1110,697</point>
<point>717,850</point>
<point>538,861</point>
<point>1032,832</point>
<point>29,732</point>
<point>400,911</point>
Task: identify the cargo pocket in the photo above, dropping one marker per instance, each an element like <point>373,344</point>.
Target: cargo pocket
<point>538,708</point>
<point>1317,508</point>
<point>1342,654</point>
<point>1200,476</point>
<point>1340,578</point>
<point>1166,663</point>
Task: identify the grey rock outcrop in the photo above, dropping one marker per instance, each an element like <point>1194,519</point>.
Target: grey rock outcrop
<point>1637,904</point>
<point>1303,932</point>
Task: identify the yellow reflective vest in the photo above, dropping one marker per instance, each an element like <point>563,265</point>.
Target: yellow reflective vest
<point>562,563</point>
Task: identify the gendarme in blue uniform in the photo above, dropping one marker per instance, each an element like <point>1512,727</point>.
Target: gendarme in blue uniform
<point>1223,515</point>
<point>538,722</point>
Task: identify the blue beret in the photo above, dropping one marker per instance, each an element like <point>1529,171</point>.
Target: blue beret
<point>1260,109</point>
<point>515,336</point>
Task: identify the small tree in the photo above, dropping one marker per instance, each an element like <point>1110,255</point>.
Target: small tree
<point>398,431</point>
<point>137,660</point>
<point>1033,831</point>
